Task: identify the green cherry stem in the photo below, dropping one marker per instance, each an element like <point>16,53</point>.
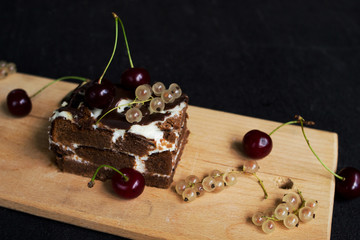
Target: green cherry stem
<point>92,183</point>
<point>123,105</point>
<point>126,42</point>
<point>57,80</point>
<point>312,150</point>
<point>115,44</point>
<point>284,124</point>
<point>302,122</point>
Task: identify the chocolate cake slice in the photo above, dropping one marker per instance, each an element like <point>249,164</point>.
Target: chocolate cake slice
<point>152,146</point>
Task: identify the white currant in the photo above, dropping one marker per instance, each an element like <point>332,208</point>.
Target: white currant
<point>157,105</point>
<point>175,89</point>
<point>180,187</point>
<point>167,96</point>
<point>209,183</point>
<point>306,214</point>
<point>158,88</point>
<point>258,218</point>
<point>291,221</point>
<point>189,195</point>
<point>268,226</point>
<point>133,115</point>
<point>143,92</point>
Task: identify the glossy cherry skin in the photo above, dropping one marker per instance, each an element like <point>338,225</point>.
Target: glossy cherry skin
<point>350,188</point>
<point>134,77</point>
<point>19,103</point>
<point>100,95</point>
<point>257,144</point>
<point>131,188</point>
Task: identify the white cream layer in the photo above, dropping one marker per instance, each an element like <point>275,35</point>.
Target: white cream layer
<point>149,131</point>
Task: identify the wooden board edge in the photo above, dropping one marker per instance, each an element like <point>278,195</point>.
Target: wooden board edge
<point>332,185</point>
<point>54,214</point>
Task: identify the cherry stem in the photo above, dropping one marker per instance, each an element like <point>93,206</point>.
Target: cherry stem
<point>126,42</point>
<point>115,44</point>
<point>302,121</point>
<point>312,150</point>
<point>123,105</point>
<point>259,180</point>
<point>57,80</point>
<point>91,183</point>
<point>284,124</point>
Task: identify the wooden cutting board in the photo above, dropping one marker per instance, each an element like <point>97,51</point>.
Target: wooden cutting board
<point>31,183</point>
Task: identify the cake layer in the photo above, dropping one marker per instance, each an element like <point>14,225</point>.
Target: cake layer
<point>160,167</point>
<point>152,146</point>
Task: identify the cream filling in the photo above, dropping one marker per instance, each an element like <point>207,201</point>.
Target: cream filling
<point>139,161</point>
<point>117,134</point>
<point>76,158</point>
<point>96,112</point>
<point>122,104</point>
<point>64,114</point>
<point>150,131</point>
<point>62,146</point>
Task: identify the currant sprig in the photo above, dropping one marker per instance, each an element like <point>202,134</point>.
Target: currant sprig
<point>262,185</point>
<point>216,181</point>
<point>134,102</point>
<point>144,93</point>
<point>294,208</point>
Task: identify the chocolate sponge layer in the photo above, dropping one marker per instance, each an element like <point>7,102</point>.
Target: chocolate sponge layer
<point>81,144</point>
<point>158,166</point>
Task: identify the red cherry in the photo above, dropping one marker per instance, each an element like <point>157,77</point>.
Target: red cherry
<point>257,144</point>
<point>350,187</point>
<point>131,188</point>
<point>100,95</point>
<point>19,103</point>
<point>134,77</point>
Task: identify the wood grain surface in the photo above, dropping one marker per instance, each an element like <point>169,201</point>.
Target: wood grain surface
<point>31,183</point>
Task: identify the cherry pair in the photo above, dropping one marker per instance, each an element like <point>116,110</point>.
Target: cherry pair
<point>99,95</point>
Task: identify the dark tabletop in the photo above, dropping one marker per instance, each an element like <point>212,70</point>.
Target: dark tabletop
<point>264,59</point>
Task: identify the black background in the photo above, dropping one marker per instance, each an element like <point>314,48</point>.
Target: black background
<point>265,59</point>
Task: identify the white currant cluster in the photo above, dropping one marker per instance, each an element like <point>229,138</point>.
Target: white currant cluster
<point>6,69</point>
<point>294,208</point>
<point>216,181</point>
<point>144,94</point>
<point>192,187</point>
